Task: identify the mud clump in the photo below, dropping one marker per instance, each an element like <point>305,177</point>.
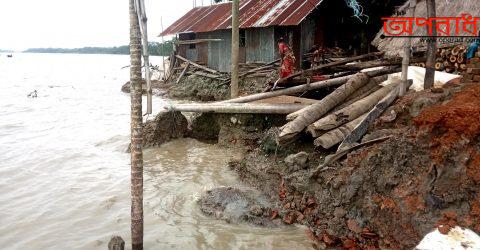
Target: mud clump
<point>158,88</point>
<point>195,87</point>
<point>165,127</point>
<point>235,205</point>
<point>391,194</point>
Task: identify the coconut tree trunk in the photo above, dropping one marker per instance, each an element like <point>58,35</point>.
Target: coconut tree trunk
<point>315,111</point>
<point>407,52</point>
<point>432,48</point>
<point>136,131</point>
<point>235,48</point>
<point>351,112</point>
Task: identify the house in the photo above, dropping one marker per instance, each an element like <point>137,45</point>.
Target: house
<point>394,46</point>
<point>204,33</point>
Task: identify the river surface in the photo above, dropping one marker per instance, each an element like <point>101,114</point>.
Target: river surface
<point>65,176</point>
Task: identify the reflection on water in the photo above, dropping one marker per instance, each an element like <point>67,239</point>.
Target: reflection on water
<point>65,176</point>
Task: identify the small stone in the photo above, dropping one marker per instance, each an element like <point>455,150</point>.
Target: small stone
<point>339,212</point>
<point>297,161</point>
<point>256,210</point>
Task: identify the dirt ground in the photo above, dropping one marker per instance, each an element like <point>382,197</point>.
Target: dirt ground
<point>390,194</point>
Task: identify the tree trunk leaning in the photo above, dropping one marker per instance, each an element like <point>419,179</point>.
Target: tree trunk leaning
<point>372,86</point>
<point>353,111</point>
<point>362,127</point>
<point>313,112</point>
<point>407,52</point>
<point>431,48</point>
<point>335,136</point>
<point>235,49</point>
<point>238,108</point>
<point>136,131</point>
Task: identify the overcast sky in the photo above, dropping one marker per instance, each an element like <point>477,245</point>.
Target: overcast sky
<point>79,23</point>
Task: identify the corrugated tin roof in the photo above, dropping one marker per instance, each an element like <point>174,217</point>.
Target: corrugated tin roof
<point>253,13</point>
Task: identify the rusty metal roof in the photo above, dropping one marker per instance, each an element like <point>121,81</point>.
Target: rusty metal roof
<point>253,13</point>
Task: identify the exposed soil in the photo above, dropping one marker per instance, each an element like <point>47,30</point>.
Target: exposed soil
<point>391,194</point>
<point>201,88</point>
<point>165,127</point>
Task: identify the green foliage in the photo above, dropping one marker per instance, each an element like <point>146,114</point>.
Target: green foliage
<point>154,48</point>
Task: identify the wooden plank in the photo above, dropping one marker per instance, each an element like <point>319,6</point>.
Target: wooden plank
<point>183,73</point>
<point>197,65</point>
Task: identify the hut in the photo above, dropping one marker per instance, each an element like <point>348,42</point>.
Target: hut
<point>394,46</point>
<point>204,33</point>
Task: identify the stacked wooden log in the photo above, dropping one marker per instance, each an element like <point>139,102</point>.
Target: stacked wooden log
<point>472,73</point>
<point>450,59</point>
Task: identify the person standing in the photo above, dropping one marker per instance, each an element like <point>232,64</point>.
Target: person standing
<point>287,58</point>
<point>473,48</point>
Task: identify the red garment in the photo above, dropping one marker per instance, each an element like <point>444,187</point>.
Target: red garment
<point>288,60</point>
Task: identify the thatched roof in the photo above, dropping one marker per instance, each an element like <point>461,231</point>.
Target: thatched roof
<point>445,8</point>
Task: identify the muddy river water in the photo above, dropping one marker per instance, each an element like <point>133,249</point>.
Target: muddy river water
<point>64,173</point>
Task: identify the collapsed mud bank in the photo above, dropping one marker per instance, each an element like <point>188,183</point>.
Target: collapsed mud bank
<point>195,87</point>
<point>391,194</point>
<point>386,195</point>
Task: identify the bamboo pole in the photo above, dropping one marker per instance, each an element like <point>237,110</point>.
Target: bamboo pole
<point>196,64</point>
<point>136,132</point>
<point>142,18</point>
<point>431,48</point>
<point>340,62</point>
<point>306,87</point>
<point>237,108</point>
<point>235,49</point>
<point>407,52</point>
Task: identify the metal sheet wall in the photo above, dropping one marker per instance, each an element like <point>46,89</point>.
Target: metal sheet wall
<point>260,45</point>
<point>219,53</point>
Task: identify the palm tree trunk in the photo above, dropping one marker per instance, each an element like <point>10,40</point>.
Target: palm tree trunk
<point>431,49</point>
<point>136,131</point>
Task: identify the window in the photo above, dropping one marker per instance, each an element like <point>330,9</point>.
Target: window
<point>242,38</point>
<point>192,36</point>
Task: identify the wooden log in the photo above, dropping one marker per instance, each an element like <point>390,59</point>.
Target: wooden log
<point>237,108</point>
<point>335,136</point>
<point>372,86</point>
<point>311,86</point>
<point>362,127</point>
<point>313,112</point>
<point>336,63</point>
<point>207,75</point>
<point>351,112</point>
<point>452,58</point>
<point>183,73</point>
<point>197,65</point>
<point>371,64</point>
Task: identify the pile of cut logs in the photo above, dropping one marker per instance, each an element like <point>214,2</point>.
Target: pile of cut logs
<point>450,59</point>
<point>472,74</point>
<point>343,116</point>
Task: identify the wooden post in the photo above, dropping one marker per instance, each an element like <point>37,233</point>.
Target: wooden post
<point>432,47</point>
<point>136,175</point>
<point>407,52</point>
<point>142,20</point>
<point>235,49</point>
<point>116,243</point>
